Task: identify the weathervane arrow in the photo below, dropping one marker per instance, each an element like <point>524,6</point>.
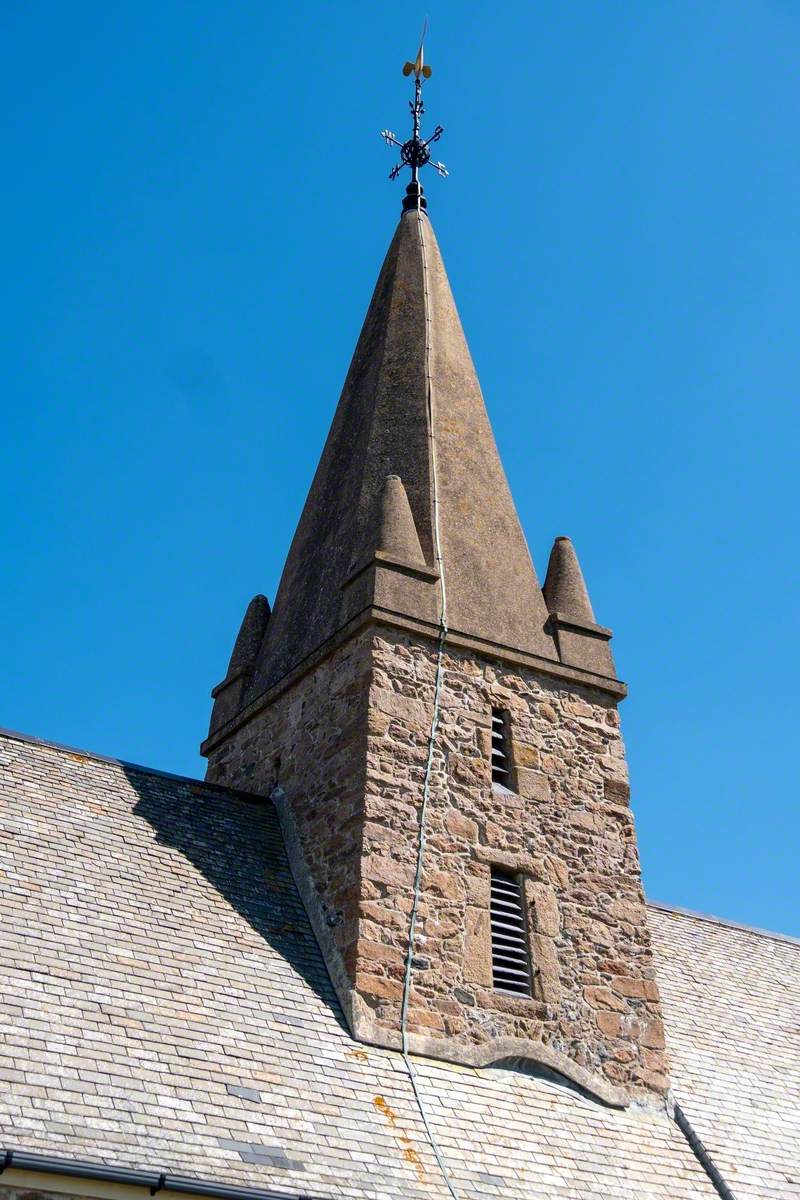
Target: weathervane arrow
<point>416,153</point>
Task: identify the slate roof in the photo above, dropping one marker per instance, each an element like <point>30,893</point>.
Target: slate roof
<point>732,1011</point>
<point>165,1006</point>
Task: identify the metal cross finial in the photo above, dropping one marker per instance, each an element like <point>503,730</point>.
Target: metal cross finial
<point>415,153</point>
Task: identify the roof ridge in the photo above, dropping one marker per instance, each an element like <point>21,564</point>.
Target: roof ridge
<point>94,756</point>
<point>712,920</point>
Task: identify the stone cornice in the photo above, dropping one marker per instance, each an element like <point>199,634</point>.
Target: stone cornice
<point>372,615</point>
<point>562,621</point>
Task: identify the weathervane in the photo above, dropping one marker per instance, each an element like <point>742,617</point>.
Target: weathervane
<point>415,153</point>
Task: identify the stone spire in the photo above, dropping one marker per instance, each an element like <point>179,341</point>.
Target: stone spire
<point>356,700</point>
<point>411,389</point>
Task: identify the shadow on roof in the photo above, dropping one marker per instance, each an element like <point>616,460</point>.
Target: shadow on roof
<point>236,844</point>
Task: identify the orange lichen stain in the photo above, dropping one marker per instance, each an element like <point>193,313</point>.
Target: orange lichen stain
<point>358,1055</point>
<point>411,1156</point>
<point>385,1111</point>
<point>406,1146</point>
<point>76,757</point>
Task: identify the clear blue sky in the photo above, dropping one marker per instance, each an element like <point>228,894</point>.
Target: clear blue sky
<point>195,208</point>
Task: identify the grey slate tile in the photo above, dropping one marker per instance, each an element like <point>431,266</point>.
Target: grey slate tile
<point>152,1005</point>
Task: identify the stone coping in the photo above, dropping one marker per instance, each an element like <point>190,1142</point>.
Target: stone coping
<point>227,681</point>
<point>381,559</point>
<point>563,621</point>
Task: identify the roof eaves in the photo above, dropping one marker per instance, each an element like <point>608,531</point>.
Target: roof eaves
<point>154,1181</point>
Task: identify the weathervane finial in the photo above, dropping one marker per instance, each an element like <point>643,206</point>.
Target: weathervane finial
<point>415,153</point>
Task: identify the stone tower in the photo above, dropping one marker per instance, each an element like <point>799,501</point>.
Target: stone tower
<point>441,734</point>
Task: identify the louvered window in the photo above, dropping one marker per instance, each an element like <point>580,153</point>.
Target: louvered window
<point>511,966</point>
<point>501,754</point>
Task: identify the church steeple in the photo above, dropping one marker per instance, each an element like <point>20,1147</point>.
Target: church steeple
<point>439,735</point>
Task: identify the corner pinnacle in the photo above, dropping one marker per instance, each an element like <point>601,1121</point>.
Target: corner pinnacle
<point>564,587</point>
<point>398,534</point>
<point>250,636</point>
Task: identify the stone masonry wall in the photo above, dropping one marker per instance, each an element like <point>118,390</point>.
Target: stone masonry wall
<point>567,830</point>
<point>352,737</point>
<point>310,744</point>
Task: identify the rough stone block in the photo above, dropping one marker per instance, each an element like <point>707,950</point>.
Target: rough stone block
<point>460,826</point>
<point>543,906</point>
<point>545,964</point>
<point>525,755</point>
<point>533,785</point>
<point>617,790</point>
<point>478,942</point>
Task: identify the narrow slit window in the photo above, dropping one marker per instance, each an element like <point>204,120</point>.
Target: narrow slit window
<point>511,964</point>
<point>501,749</point>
